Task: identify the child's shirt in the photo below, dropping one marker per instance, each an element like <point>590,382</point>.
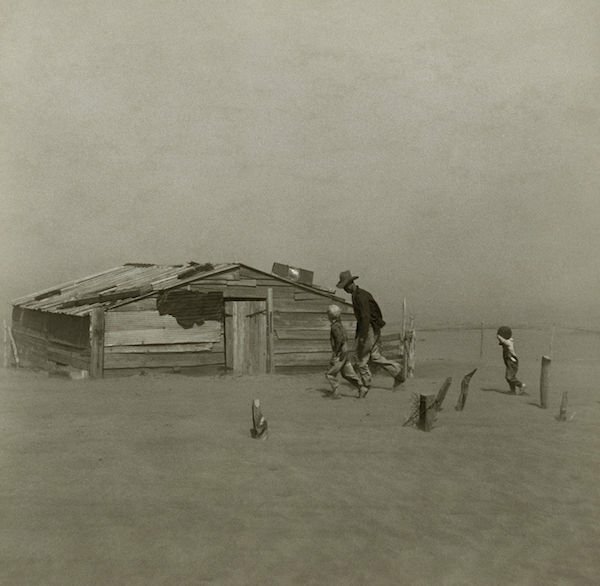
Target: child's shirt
<point>338,338</point>
<point>508,348</point>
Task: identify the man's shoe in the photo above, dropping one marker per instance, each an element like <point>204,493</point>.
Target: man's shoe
<point>398,380</point>
<point>362,393</point>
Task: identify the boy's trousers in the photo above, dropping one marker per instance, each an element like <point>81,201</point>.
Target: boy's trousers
<point>512,367</point>
<point>343,367</point>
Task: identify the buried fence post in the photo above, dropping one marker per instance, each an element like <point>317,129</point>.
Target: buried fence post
<point>423,412</point>
<point>427,412</point>
<point>562,414</point>
<point>464,389</point>
<point>544,381</point>
<point>259,423</point>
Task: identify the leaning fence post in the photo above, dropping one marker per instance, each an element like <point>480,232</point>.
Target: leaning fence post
<point>481,343</point>
<point>544,381</point>
<point>439,399</point>
<point>464,390</point>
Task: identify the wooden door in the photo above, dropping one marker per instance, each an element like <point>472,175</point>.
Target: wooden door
<point>246,336</point>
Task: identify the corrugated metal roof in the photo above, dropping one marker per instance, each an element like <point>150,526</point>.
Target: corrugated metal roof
<point>131,281</point>
<point>113,286</point>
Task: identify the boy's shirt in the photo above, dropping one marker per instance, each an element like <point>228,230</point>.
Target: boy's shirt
<point>508,348</point>
<point>338,338</point>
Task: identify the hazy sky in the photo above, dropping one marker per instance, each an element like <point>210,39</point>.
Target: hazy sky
<point>446,151</point>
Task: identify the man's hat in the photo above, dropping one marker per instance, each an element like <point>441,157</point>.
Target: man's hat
<point>345,278</point>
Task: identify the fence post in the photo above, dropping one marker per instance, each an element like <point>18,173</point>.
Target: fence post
<point>97,343</point>
<point>544,381</point>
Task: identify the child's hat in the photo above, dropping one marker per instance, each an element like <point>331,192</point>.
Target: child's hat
<point>505,332</point>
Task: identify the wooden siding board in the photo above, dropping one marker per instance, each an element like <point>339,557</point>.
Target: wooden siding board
<point>165,348</point>
<point>303,359</point>
<point>301,334</point>
<point>145,320</point>
<point>205,370</point>
<point>159,360</point>
<point>302,346</point>
<point>208,332</point>
<point>290,319</point>
<point>311,306</point>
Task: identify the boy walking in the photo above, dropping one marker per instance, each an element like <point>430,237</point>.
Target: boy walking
<point>339,363</point>
<point>505,339</point>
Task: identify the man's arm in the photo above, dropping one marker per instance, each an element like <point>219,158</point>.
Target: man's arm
<point>363,315</point>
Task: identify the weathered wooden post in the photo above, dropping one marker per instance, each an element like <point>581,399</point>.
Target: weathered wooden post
<point>562,414</point>
<point>412,342</point>
<point>481,344</point>
<point>427,412</point>
<point>97,343</point>
<point>259,423</point>
<point>442,393</point>
<point>464,389</point>
<point>5,344</point>
<point>270,361</point>
<point>403,330</point>
<point>408,353</point>
<point>545,381</point>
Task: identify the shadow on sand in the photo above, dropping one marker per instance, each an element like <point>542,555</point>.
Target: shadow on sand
<point>326,393</point>
<point>500,391</point>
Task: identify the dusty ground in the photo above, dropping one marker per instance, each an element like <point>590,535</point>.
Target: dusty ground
<point>155,480</point>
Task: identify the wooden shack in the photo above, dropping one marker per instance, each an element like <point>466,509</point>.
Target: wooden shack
<point>200,318</point>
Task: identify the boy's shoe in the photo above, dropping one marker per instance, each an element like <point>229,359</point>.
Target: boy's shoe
<point>521,389</point>
<point>398,380</point>
<point>335,394</point>
<point>362,393</point>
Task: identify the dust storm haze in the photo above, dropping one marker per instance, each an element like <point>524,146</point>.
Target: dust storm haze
<point>444,152</point>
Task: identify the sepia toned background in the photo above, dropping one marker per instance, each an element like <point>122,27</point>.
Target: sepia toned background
<point>445,152</point>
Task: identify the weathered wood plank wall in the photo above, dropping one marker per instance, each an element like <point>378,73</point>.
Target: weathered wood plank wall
<point>40,350</point>
<point>138,338</point>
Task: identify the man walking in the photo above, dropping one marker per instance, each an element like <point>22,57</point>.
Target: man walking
<point>369,322</point>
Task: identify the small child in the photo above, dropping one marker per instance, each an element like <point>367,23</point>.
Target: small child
<point>339,362</point>
<point>504,336</point>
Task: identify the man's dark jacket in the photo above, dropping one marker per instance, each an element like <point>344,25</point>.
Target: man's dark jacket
<point>367,312</point>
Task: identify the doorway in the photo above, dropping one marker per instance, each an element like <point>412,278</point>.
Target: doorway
<point>246,336</point>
